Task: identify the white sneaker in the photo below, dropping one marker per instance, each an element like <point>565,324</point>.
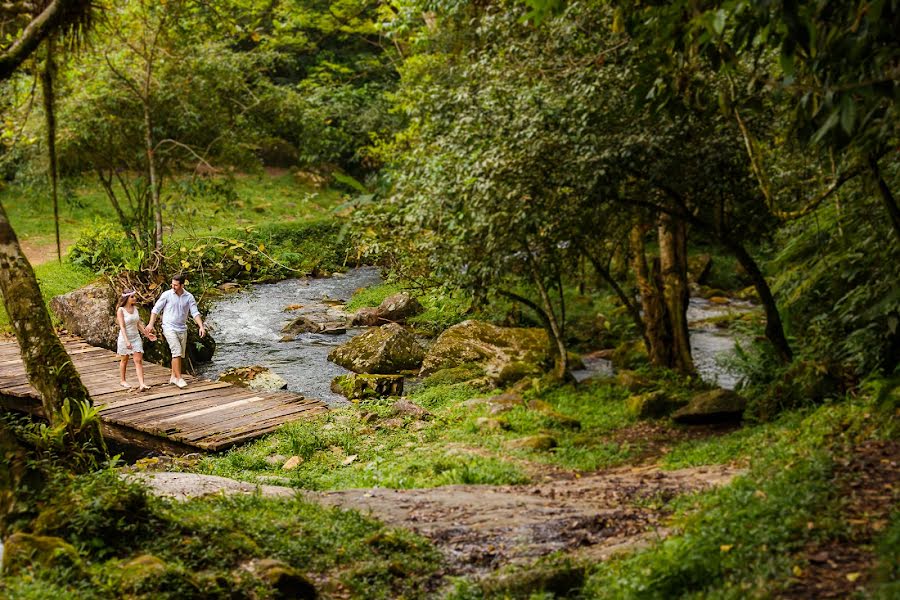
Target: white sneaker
<point>181,383</point>
<point>173,381</point>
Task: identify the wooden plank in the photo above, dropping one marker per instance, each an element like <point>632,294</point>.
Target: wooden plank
<point>141,414</point>
<point>171,390</point>
<point>223,442</point>
<point>247,420</point>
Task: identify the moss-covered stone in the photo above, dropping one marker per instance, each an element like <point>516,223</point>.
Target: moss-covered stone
<point>386,350</point>
<point>136,572</point>
<point>632,381</point>
<point>552,414</point>
<point>540,442</point>
<point>490,424</point>
<point>24,550</point>
<point>359,386</point>
<point>285,581</point>
<point>504,354</point>
<point>716,406</point>
<point>652,405</point>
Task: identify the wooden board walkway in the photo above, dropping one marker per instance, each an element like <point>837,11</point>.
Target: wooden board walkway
<point>206,415</point>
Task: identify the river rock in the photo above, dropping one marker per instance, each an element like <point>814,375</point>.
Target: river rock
<point>632,381</point>
<point>386,350</point>
<point>503,353</point>
<point>89,312</point>
<point>24,550</point>
<point>366,317</point>
<point>716,406</point>
<point>399,307</point>
<point>359,386</point>
<point>257,378</point>
<point>317,320</point>
<point>286,581</point>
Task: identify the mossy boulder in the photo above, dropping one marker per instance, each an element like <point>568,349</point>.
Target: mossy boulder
<point>284,580</point>
<point>504,354</point>
<point>632,381</point>
<point>548,412</point>
<point>359,386</point>
<point>199,350</point>
<point>652,405</point>
<point>24,550</point>
<point>137,573</point>
<point>716,406</point>
<point>540,442</point>
<point>386,350</point>
<point>490,424</point>
<point>257,378</point>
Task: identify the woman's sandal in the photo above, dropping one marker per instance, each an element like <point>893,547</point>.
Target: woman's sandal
<point>143,388</point>
<point>125,385</point>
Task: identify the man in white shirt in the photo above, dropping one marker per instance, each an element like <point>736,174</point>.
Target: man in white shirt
<point>175,305</point>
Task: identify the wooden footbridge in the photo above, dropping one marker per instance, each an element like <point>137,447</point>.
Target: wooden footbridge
<point>206,415</point>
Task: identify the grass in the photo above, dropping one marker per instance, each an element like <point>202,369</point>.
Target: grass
<point>289,218</point>
<point>190,209</point>
<point>204,544</point>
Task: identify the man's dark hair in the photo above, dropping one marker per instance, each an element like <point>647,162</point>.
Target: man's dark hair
<point>179,278</point>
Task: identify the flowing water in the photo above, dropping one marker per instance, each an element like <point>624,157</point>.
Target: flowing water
<point>247,329</point>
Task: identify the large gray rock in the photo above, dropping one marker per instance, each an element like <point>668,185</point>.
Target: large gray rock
<point>399,307</point>
<point>396,308</point>
<point>89,312</point>
<point>386,350</point>
<point>716,406</point>
<point>505,354</point>
<point>317,318</point>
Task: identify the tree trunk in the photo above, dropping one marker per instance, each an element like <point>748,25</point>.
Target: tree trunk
<point>887,198</point>
<point>676,294</point>
<point>629,304</point>
<point>555,326</point>
<point>49,368</point>
<point>152,175</point>
<point>774,326</point>
<point>657,335</point>
<point>47,77</point>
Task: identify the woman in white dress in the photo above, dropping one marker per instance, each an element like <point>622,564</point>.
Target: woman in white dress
<point>130,344</point>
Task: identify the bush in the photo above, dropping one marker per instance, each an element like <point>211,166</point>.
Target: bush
<point>104,248</point>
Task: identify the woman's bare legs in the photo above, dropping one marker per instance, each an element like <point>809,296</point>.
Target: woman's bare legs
<point>139,368</point>
<point>123,364</point>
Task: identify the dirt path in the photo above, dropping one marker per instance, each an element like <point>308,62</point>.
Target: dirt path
<point>481,528</point>
<point>40,252</point>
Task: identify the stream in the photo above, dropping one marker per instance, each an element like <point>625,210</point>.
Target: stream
<point>247,328</point>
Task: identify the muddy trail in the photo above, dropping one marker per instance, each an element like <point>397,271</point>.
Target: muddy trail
<point>481,528</point>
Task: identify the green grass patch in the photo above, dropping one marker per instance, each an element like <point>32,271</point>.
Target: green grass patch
<point>54,278</point>
<point>203,545</point>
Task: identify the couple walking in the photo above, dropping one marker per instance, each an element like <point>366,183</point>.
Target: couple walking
<point>175,305</point>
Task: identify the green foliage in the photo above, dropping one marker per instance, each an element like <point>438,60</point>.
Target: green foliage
<point>203,543</point>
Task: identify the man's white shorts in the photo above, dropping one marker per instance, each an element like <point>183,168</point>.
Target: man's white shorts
<point>177,342</point>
